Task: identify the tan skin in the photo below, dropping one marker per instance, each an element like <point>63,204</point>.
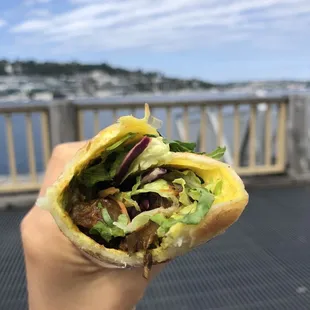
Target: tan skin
<point>58,275</point>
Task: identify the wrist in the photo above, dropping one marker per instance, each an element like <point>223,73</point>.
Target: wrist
<point>103,290</point>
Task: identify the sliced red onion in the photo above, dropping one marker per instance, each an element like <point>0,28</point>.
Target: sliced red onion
<point>144,205</point>
<point>153,175</point>
<point>130,157</point>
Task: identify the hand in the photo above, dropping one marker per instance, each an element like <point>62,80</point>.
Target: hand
<point>58,275</point>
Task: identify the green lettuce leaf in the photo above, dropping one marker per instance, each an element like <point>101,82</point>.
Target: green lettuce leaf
<point>112,157</point>
<point>215,187</point>
<point>196,212</point>
<point>122,219</point>
<point>95,174</point>
<point>106,217</point>
<point>164,223</point>
<point>218,153</point>
<point>106,232</point>
<point>194,194</point>
<point>125,197</point>
<point>155,154</point>
<point>142,218</point>
<point>109,230</point>
<point>203,206</point>
<point>191,214</point>
<point>179,146</point>
<point>186,210</point>
<point>138,183</point>
<point>161,187</point>
<point>115,145</point>
<point>191,179</point>
<point>218,188</point>
<point>183,196</point>
<point>117,162</point>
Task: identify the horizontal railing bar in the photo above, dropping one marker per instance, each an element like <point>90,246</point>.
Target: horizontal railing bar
<point>23,109</point>
<point>20,187</point>
<point>257,170</point>
<point>177,104</point>
<point>122,104</point>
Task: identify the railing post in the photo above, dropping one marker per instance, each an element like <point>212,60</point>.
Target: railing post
<point>63,122</point>
<point>298,132</point>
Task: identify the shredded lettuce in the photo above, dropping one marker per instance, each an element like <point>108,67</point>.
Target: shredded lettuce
<point>125,197</point>
<point>196,213</point>
<point>111,159</point>
<point>122,219</point>
<point>196,197</point>
<point>215,187</point>
<point>91,176</point>
<point>204,204</point>
<point>194,194</point>
<point>196,201</point>
<point>191,179</point>
<point>106,232</point>
<point>190,214</point>
<point>106,217</point>
<point>117,162</point>
<point>155,154</point>
<point>179,146</point>
<point>142,219</point>
<point>138,183</point>
<point>164,223</point>
<point>115,145</point>
<point>183,196</point>
<point>218,153</point>
<point>161,187</point>
<point>158,152</point>
<point>109,229</point>
<point>186,210</point>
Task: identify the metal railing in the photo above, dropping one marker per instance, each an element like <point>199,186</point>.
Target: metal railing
<point>203,108</point>
<point>258,140</point>
<point>14,181</point>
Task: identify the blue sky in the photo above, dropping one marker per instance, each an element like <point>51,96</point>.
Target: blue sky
<point>217,40</point>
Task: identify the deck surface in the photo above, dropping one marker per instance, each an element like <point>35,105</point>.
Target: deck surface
<point>262,262</point>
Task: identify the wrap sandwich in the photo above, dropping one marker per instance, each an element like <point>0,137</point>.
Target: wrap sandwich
<point>132,198</point>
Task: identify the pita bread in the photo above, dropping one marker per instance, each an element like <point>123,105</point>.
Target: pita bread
<point>181,238</point>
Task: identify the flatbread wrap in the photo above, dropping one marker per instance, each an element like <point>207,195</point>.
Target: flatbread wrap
<point>131,198</point>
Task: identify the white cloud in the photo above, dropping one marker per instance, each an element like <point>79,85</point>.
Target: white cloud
<point>83,1</point>
<point>31,25</point>
<point>119,24</point>
<point>39,12</point>
<point>2,22</point>
<point>34,2</point>
<point>290,10</point>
